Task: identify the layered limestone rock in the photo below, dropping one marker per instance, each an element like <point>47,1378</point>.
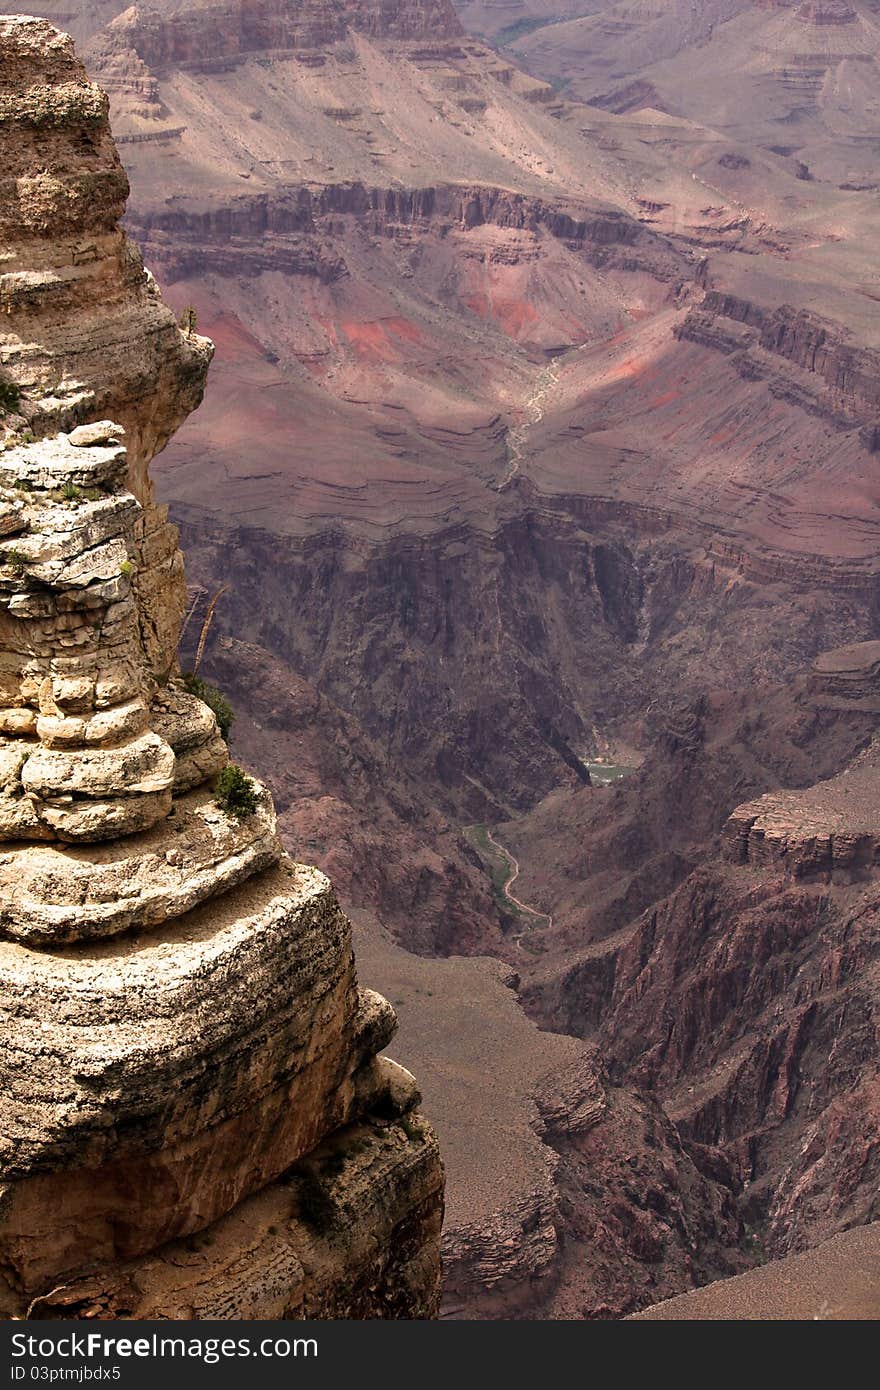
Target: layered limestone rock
<point>820,369</point>
<point>847,678</point>
<point>831,829</point>
<point>204,34</point>
<point>186,1055</point>
<point>85,334</point>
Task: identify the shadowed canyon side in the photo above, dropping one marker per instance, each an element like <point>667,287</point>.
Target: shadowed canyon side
<point>197,1120</point>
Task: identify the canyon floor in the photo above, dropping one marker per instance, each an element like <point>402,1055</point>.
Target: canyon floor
<point>543,439</point>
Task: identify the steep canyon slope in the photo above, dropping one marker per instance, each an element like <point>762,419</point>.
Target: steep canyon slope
<point>546,432</point>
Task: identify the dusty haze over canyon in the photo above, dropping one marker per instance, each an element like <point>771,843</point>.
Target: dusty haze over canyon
<point>539,466</point>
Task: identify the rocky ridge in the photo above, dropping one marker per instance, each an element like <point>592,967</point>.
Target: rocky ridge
<point>184,1021</point>
<point>568,1195</point>
<point>827,831</point>
<point>203,34</point>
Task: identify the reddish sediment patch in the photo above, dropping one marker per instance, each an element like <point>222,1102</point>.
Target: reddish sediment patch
<point>380,340</point>
<point>513,316</point>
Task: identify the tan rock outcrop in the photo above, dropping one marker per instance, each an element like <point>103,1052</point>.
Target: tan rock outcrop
<point>830,830</point>
<point>185,1048</point>
<point>86,336</point>
<point>847,678</point>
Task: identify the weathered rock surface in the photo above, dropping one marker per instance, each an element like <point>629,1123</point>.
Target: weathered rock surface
<point>183,1028</point>
<point>847,678</point>
<point>350,1233</point>
<point>56,897</point>
<point>76,298</point>
<point>829,830</point>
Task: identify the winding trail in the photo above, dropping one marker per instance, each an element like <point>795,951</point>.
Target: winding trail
<point>517,902</point>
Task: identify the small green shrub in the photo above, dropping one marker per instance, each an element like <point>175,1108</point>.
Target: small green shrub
<point>14,559</point>
<point>411,1129</point>
<point>10,396</point>
<point>70,492</point>
<point>214,699</point>
<point>128,568</point>
<point>234,792</point>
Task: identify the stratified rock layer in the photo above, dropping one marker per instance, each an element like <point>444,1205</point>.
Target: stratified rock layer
<point>847,678</point>
<point>831,829</point>
<point>183,1032</point>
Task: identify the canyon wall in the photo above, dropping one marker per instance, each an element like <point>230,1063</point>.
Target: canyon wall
<point>197,1118</point>
<point>304,230</point>
<point>848,373</point>
<point>205,33</point>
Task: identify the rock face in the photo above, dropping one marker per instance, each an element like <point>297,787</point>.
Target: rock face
<point>575,456</point>
<point>849,375</point>
<point>747,1000</point>
<point>743,1000</point>
<point>203,33</point>
<point>831,829</point>
<point>186,1056</point>
<point>847,678</point>
<point>86,335</point>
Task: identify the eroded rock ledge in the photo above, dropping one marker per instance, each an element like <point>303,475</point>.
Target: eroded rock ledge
<point>830,830</point>
<point>186,1054</point>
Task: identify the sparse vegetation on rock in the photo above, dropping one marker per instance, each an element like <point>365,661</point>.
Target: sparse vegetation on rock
<point>10,396</point>
<point>214,699</point>
<point>235,793</point>
<point>14,559</point>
